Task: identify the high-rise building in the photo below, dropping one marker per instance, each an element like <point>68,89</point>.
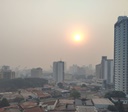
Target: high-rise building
<point>105,70</point>
<point>7,73</point>
<point>121,54</point>
<point>98,71</point>
<point>36,73</point>
<point>58,71</point>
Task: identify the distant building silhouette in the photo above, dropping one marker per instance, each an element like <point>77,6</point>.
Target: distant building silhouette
<point>104,70</point>
<point>98,71</point>
<point>121,54</point>
<point>36,72</point>
<point>77,70</point>
<point>58,71</point>
<point>7,73</point>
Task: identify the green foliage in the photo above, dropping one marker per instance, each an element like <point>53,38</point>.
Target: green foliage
<point>83,85</point>
<point>4,103</point>
<point>112,108</point>
<point>96,88</point>
<point>19,83</point>
<point>119,106</point>
<point>60,85</point>
<point>75,94</point>
<point>118,94</point>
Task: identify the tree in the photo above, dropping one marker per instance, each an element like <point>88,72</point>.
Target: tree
<point>83,85</point>
<point>75,94</point>
<point>112,108</point>
<point>4,103</point>
<point>118,94</point>
<point>119,106</point>
<point>19,83</point>
<point>60,85</point>
<point>96,88</point>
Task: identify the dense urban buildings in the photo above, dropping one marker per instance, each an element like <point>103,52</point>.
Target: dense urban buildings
<point>104,70</point>
<point>77,70</point>
<point>58,71</point>
<point>36,73</point>
<point>121,54</point>
<point>81,70</point>
<point>7,73</point>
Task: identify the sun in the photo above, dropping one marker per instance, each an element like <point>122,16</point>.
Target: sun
<point>77,38</point>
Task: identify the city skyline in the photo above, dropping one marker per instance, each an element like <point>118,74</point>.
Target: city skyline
<point>36,33</point>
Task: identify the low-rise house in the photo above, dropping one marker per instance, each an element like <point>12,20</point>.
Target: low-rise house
<point>11,96</point>
<point>23,107</point>
<point>102,103</point>
<point>13,108</point>
<point>28,104</point>
<point>86,109</point>
<point>34,109</point>
<point>27,94</point>
<point>64,105</point>
<point>50,105</point>
<point>39,93</point>
<point>31,106</point>
<point>42,95</point>
<point>83,102</point>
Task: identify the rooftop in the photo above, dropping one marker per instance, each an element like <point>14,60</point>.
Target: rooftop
<point>13,108</point>
<point>122,17</point>
<point>102,101</point>
<point>34,109</point>
<point>49,103</point>
<point>86,109</point>
<point>28,104</point>
<point>65,101</point>
<point>65,105</point>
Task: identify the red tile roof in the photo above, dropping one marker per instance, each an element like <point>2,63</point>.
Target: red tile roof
<point>42,94</point>
<point>28,105</point>
<point>34,109</point>
<point>1,109</point>
<point>10,108</point>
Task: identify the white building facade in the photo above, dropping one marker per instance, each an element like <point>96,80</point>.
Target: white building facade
<point>105,70</point>
<point>58,71</point>
<point>121,54</point>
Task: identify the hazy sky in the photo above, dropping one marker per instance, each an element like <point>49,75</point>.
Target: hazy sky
<point>35,33</point>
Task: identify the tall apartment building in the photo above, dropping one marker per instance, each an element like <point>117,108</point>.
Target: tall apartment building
<point>105,70</point>
<point>36,73</point>
<point>58,71</point>
<point>7,73</point>
<point>98,71</point>
<point>121,54</point>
